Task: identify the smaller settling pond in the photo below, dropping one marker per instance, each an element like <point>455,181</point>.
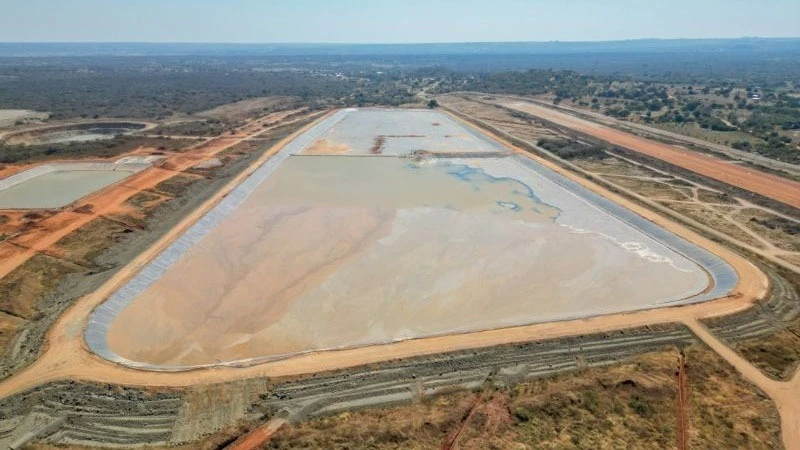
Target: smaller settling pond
<point>57,187</point>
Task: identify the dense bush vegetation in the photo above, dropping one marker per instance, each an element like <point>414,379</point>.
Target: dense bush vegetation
<point>95,149</point>
<point>569,149</point>
<point>154,88</point>
<point>742,93</point>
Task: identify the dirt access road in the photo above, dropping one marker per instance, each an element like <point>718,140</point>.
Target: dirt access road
<point>656,133</point>
<point>770,186</point>
<point>259,437</point>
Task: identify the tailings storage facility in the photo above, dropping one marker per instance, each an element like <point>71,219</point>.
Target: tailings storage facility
<point>381,225</point>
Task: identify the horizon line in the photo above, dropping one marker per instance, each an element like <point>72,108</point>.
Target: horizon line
<point>558,41</point>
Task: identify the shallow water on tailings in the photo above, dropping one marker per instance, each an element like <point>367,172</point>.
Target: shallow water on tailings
<point>337,251</point>
<point>400,184</point>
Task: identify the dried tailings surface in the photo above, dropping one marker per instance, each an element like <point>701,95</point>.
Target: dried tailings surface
<point>399,132</point>
<point>388,248</point>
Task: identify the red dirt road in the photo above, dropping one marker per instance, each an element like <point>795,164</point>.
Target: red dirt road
<point>451,441</point>
<point>767,185</point>
<point>683,405</point>
<point>259,437</point>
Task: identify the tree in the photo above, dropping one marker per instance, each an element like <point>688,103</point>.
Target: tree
<point>433,104</point>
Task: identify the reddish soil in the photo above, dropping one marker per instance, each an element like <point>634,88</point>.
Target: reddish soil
<point>684,407</point>
<point>770,186</point>
<point>39,235</point>
<point>377,147</point>
<point>451,441</point>
<point>257,438</point>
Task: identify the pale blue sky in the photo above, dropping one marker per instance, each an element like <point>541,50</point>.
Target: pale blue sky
<point>392,21</point>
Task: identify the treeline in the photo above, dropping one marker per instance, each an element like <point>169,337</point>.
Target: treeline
<point>571,149</point>
<point>159,88</point>
<point>563,83</point>
<point>139,94</point>
<point>107,148</point>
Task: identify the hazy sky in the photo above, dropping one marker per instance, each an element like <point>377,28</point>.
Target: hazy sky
<point>392,21</point>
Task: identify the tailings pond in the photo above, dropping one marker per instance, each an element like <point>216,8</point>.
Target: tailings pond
<point>318,252</point>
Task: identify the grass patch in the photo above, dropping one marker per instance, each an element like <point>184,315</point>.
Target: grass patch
<point>707,196</point>
<point>616,166</point>
<point>18,154</point>
<point>727,411</point>
<point>628,405</point>
<point>781,232</point>
<point>656,190</point>
<point>86,243</point>
<point>776,355</point>
<point>145,200</point>
<point>714,219</point>
<point>176,185</point>
<point>193,128</point>
<point>570,149</point>
<point>23,288</point>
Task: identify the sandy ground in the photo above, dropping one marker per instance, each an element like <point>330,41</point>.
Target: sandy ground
<point>771,186</point>
<point>62,132</point>
<point>246,108</point>
<point>9,116</point>
<point>325,147</point>
<point>696,203</point>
